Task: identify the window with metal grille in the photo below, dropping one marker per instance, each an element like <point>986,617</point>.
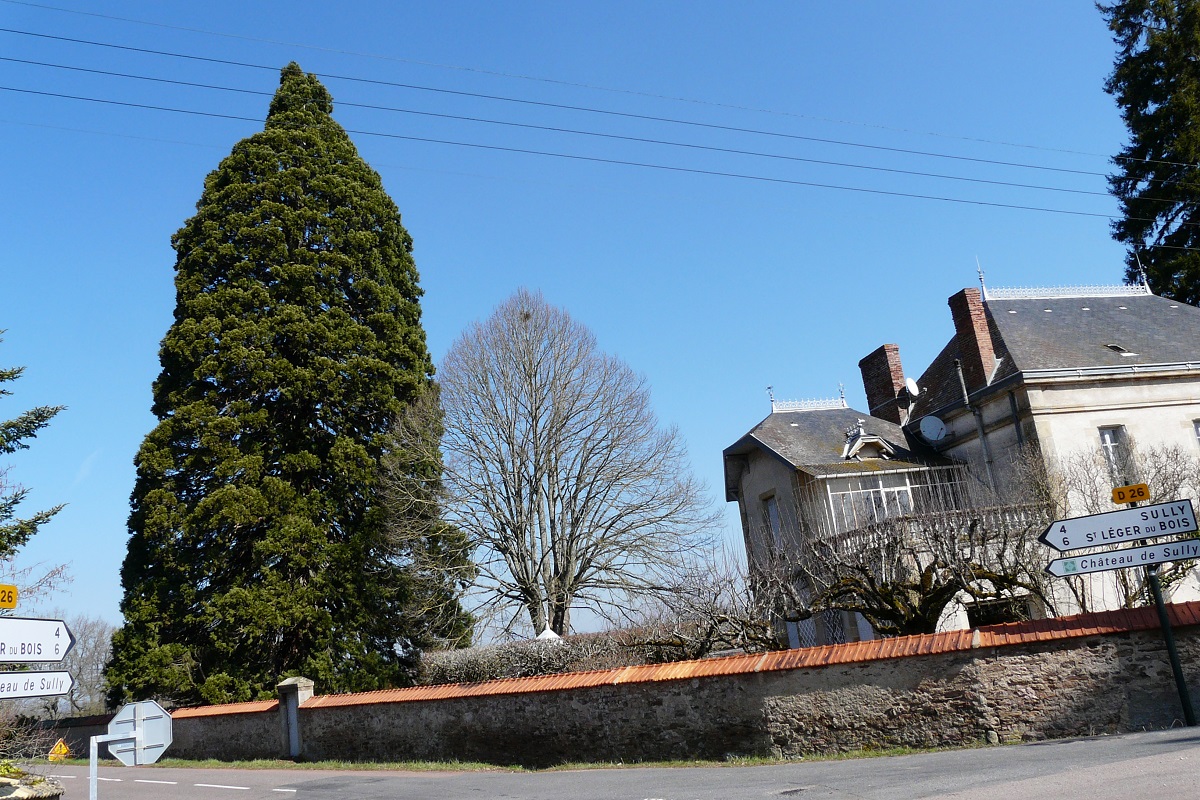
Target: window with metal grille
<point>773,522</point>
<point>1114,443</point>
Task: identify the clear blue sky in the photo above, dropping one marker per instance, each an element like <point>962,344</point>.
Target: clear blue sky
<point>712,286</point>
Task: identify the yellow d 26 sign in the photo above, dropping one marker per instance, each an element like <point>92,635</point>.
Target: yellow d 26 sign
<point>8,595</point>
<point>1131,494</point>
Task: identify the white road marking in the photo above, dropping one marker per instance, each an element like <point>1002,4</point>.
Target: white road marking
<point>168,783</point>
<point>113,780</point>
<point>283,790</point>
<point>64,776</point>
<point>219,786</point>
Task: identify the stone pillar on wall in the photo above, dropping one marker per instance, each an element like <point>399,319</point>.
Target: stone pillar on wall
<point>292,694</point>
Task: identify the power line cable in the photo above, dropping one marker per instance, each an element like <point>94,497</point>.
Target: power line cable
<point>210,146</point>
<point>591,159</point>
<point>573,131</point>
<point>687,170</point>
<point>570,107</point>
<point>644,94</point>
<point>555,81</point>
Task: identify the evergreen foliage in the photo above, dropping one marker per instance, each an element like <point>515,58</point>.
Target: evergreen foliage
<point>1156,83</point>
<point>258,548</point>
<point>15,531</point>
<point>438,555</point>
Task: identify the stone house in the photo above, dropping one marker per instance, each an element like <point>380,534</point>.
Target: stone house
<point>1067,369</point>
<point>1106,375</point>
<point>822,468</point>
<point>1067,374</point>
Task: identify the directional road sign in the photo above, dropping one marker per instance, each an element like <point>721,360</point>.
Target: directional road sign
<point>34,684</point>
<point>25,640</point>
<point>139,733</point>
<point>1122,559</point>
<point>1126,525</point>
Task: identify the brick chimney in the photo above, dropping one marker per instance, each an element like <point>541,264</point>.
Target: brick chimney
<point>883,379</point>
<point>973,337</point>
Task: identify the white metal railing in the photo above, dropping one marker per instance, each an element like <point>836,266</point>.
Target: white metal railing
<point>1049,292</point>
<point>808,405</point>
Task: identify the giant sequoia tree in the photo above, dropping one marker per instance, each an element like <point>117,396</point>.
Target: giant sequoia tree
<point>1156,82</point>
<point>257,545</point>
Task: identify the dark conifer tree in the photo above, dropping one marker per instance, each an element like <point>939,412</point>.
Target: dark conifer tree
<point>258,548</point>
<point>16,531</point>
<point>1156,83</point>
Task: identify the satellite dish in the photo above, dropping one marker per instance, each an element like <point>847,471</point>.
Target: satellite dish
<point>932,429</point>
<point>911,385</point>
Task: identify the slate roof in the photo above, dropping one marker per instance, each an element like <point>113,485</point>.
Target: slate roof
<point>1070,333</point>
<point>812,441</point>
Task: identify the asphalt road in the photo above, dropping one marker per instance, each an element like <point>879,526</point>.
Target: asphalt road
<point>1163,764</point>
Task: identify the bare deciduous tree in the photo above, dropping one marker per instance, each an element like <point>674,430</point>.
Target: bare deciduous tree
<point>715,604</point>
<point>960,543</point>
<point>85,663</point>
<point>558,471</point>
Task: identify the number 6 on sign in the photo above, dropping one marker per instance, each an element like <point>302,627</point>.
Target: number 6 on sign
<point>8,596</point>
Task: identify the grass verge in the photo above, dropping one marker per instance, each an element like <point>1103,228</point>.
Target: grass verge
<point>473,766</point>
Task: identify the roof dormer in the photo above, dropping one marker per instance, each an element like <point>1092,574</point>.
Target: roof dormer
<point>862,445</point>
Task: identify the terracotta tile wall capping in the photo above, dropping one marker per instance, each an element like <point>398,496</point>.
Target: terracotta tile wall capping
<point>227,708</point>
<point>1042,630</point>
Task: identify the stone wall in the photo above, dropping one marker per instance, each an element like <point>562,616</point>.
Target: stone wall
<point>231,736</point>
<point>1099,684</point>
<point>78,731</point>
<point>1090,674</point>
<point>694,718</point>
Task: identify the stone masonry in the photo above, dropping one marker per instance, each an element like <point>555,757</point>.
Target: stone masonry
<point>1081,676</point>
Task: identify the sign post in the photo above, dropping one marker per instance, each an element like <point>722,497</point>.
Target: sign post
<point>1128,525</point>
<point>144,730</point>
<point>1185,696</point>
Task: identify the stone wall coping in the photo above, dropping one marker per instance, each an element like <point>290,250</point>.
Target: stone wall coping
<point>252,707</point>
<point>1012,633</point>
